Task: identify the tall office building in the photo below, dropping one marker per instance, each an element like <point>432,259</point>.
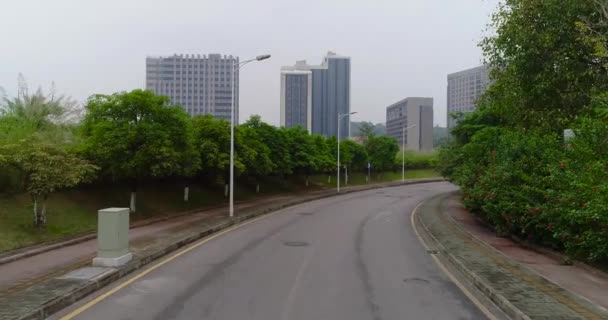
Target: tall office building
<point>296,96</point>
<point>464,89</point>
<point>201,84</point>
<point>409,112</point>
<point>330,95</point>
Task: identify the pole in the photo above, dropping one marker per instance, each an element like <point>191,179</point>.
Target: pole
<point>338,163</point>
<point>231,206</point>
<point>403,157</point>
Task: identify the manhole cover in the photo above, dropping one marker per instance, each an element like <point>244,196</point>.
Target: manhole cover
<point>432,251</point>
<point>305,213</point>
<point>296,243</point>
<point>415,280</point>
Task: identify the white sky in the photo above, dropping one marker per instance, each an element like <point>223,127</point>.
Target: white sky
<point>398,48</point>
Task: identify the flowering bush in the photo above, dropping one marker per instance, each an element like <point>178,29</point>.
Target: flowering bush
<point>532,185</point>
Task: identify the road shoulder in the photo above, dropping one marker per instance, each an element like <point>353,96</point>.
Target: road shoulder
<point>516,290</point>
<point>51,295</point>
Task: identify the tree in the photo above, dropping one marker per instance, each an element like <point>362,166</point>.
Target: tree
<point>352,155</point>
<point>381,151</point>
<point>259,162</point>
<point>132,135</point>
<point>46,168</point>
<point>212,138</point>
<point>46,119</point>
<point>276,140</point>
<point>323,156</point>
<point>543,63</point>
<point>303,151</point>
<point>42,110</point>
<point>189,159</point>
<point>366,130</point>
<point>359,157</point>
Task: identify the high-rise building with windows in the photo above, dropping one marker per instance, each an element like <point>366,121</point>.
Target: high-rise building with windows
<point>330,95</point>
<point>296,96</point>
<point>464,89</point>
<point>201,84</point>
<point>407,113</point>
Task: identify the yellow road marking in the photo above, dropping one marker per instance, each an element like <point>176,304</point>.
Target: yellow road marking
<point>441,266</point>
<point>102,297</point>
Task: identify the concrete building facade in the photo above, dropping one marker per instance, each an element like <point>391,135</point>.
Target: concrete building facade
<point>330,95</point>
<point>201,84</point>
<point>296,96</point>
<point>464,89</point>
<point>408,112</point>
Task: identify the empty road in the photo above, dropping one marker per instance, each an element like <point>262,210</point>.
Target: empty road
<point>353,256</point>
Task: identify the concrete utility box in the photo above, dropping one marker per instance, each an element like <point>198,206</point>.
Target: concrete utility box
<point>112,238</point>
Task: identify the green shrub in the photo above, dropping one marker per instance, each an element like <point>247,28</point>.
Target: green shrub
<point>416,160</point>
<point>532,185</point>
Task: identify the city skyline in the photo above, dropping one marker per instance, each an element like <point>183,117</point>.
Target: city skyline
<point>103,57</point>
<point>313,96</point>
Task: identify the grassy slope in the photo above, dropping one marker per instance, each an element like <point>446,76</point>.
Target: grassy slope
<point>74,211</point>
<point>359,178</point>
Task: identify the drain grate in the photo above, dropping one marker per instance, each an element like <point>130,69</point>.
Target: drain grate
<point>432,251</point>
<point>305,213</point>
<point>296,243</point>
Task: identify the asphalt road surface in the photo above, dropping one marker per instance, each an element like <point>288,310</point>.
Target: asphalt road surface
<point>351,257</point>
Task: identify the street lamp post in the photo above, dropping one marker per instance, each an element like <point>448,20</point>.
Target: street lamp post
<point>235,68</point>
<point>403,152</point>
<point>340,116</point>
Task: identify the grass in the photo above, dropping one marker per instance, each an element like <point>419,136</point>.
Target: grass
<point>74,212</point>
<point>360,178</point>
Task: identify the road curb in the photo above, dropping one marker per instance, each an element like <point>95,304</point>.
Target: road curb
<point>501,302</point>
<point>581,306</point>
<point>573,295</point>
<point>24,252</point>
<point>61,301</point>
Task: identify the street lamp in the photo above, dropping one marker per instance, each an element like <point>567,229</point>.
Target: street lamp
<point>340,116</point>
<point>235,68</point>
<point>403,152</point>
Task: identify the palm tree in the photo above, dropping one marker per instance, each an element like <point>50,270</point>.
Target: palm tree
<point>40,109</point>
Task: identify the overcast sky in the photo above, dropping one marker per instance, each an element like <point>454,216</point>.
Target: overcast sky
<point>398,48</point>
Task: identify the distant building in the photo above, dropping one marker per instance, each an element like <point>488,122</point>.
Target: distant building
<point>330,95</point>
<point>409,112</point>
<point>201,84</point>
<point>464,89</point>
<point>296,96</point>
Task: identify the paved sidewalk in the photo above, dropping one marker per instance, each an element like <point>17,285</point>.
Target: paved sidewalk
<point>25,272</point>
<point>496,271</point>
<point>588,282</point>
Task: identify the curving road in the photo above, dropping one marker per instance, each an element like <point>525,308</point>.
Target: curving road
<point>353,256</point>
